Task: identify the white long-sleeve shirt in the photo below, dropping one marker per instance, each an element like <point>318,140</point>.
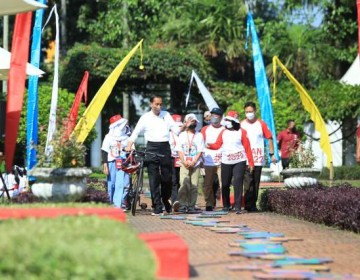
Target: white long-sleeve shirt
<point>155,128</point>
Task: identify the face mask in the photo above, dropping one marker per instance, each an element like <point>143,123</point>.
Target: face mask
<point>250,116</point>
<point>215,120</point>
<point>206,122</point>
<point>192,126</point>
<point>228,124</point>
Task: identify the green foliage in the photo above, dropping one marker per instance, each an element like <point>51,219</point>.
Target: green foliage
<point>337,101</point>
<point>72,248</point>
<point>122,23</point>
<point>65,101</point>
<point>232,95</point>
<point>66,153</point>
<point>303,157</point>
<point>212,26</point>
<point>162,65</point>
<point>342,173</point>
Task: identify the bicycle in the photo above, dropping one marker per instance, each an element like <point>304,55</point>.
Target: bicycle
<point>134,165</point>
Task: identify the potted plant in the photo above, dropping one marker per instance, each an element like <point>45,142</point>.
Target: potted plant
<point>61,176</point>
<point>266,171</point>
<point>301,172</point>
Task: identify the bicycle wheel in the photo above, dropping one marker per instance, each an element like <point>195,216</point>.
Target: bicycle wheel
<point>136,190</point>
<point>135,195</point>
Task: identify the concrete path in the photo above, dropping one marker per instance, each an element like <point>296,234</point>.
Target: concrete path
<point>208,251</point>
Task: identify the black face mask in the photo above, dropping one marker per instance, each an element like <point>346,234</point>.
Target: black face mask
<point>192,126</point>
<point>293,129</point>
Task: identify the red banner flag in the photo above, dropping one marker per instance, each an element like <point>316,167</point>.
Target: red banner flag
<point>71,120</point>
<point>16,83</point>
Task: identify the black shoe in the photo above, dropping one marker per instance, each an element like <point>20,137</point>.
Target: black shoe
<point>208,208</point>
<point>241,211</point>
<point>253,209</point>
<point>226,209</point>
<point>168,207</point>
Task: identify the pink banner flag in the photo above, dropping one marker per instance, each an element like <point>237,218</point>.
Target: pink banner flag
<point>71,120</point>
<point>16,83</point>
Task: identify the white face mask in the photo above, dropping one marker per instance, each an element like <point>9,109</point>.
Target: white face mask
<point>250,116</point>
<point>228,124</point>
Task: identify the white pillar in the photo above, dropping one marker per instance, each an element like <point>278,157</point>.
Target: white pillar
<point>95,151</point>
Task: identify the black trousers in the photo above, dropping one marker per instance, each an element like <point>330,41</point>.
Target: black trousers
<point>285,162</point>
<point>159,171</point>
<point>232,173</point>
<point>175,181</point>
<point>251,184</point>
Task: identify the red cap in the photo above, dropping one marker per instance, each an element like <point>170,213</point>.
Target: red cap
<point>115,118</point>
<point>233,116</point>
<point>176,118</point>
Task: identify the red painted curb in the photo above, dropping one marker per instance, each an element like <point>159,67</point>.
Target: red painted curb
<point>172,254</point>
<point>23,213</point>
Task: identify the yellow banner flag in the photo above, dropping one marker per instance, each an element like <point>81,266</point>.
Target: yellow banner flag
<point>309,106</point>
<point>92,112</point>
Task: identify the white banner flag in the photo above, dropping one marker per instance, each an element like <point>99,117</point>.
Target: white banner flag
<point>209,100</point>
<point>55,88</point>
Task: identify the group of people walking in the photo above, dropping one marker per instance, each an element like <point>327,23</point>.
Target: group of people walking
<point>226,149</point>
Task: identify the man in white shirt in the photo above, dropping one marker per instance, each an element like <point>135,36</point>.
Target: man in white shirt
<point>156,126</point>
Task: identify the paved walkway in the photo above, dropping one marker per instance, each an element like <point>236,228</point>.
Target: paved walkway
<point>208,251</point>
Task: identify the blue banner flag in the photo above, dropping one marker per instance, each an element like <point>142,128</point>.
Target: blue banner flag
<point>32,105</point>
<point>261,81</point>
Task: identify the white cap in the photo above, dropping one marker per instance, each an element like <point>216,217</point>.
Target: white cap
<point>190,117</point>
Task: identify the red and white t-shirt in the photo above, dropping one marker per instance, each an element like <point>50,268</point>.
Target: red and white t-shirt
<point>257,132</point>
<point>235,147</point>
<point>211,134</point>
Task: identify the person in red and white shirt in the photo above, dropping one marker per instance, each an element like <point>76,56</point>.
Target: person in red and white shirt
<point>257,131</point>
<point>235,151</point>
<point>212,158</point>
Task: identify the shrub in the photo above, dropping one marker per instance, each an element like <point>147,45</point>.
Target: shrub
<point>72,248</point>
<point>342,173</point>
<point>337,206</point>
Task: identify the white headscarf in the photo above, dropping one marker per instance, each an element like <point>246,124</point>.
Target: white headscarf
<point>118,130</point>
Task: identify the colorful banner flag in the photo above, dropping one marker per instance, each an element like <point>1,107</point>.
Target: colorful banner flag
<point>32,105</point>
<point>16,83</point>
<point>92,112</point>
<point>209,100</point>
<point>261,81</point>
<point>55,87</point>
<point>309,106</point>
<point>71,119</point>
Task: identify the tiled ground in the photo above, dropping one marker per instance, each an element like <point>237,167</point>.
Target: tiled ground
<point>208,251</point>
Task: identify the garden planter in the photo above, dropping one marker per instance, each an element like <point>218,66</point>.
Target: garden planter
<point>266,174</point>
<point>60,184</point>
<point>300,177</point>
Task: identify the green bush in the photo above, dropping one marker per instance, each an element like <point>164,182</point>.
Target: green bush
<point>342,173</point>
<point>72,248</point>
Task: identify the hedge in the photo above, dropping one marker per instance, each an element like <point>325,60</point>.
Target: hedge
<point>342,173</point>
<point>338,206</point>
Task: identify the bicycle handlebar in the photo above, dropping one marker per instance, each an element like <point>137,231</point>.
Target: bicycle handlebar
<point>144,153</point>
